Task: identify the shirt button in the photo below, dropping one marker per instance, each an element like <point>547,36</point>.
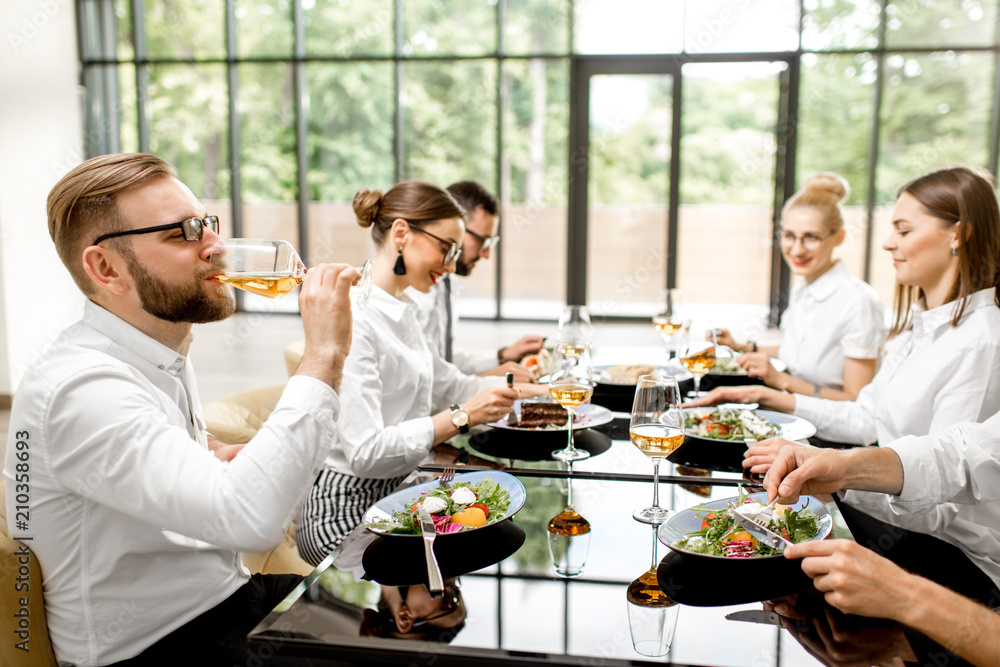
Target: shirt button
<point>161,366</point>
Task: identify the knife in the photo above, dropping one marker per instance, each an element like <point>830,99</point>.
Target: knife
<point>755,616</point>
<point>765,535</point>
<point>435,584</point>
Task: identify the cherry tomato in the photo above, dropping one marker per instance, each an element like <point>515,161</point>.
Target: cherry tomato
<point>484,508</point>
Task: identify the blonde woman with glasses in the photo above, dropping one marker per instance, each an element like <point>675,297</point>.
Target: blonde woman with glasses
<point>834,326</point>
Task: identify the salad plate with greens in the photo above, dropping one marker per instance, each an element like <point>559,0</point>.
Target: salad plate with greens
<point>709,530</point>
<point>737,424</point>
<point>472,500</point>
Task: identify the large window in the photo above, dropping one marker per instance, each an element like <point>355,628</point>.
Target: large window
<point>276,112</point>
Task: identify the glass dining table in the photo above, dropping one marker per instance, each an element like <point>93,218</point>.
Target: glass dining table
<point>507,604</point>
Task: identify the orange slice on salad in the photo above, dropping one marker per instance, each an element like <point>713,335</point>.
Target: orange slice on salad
<point>472,517</point>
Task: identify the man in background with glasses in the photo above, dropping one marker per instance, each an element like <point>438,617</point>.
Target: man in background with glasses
<point>111,478</point>
<point>441,309</point>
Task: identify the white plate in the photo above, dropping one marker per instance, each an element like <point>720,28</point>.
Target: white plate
<point>601,374</point>
<point>396,502</point>
<point>678,526</point>
<point>778,365</point>
<point>789,426</point>
<point>587,415</point>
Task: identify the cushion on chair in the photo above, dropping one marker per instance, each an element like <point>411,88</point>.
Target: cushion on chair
<point>235,419</point>
<point>21,602</point>
<point>293,355</point>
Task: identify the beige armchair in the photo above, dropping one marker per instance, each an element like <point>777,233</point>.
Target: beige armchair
<point>21,603</point>
<point>235,419</point>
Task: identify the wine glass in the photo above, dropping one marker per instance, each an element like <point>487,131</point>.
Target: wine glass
<point>574,324</point>
<point>569,537</point>
<point>571,383</point>
<point>272,268</point>
<point>657,429</point>
<point>697,353</point>
<point>652,615</point>
<point>668,321</point>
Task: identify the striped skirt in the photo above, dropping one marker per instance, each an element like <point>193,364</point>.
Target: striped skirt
<point>334,508</point>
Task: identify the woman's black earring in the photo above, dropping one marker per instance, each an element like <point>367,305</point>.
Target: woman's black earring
<point>400,268</point>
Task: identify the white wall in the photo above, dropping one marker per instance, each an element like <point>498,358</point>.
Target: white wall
<point>40,140</point>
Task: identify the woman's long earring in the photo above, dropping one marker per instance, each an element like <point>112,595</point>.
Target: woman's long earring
<point>400,268</point>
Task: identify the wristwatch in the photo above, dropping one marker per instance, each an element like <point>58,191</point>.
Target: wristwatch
<point>460,418</point>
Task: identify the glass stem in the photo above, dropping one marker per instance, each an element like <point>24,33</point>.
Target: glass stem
<point>697,384</point>
<point>569,428</point>
<point>569,487</point>
<point>653,563</point>
<point>656,482</point>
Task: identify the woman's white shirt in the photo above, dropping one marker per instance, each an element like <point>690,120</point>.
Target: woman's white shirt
<point>833,318</point>
<point>392,384</point>
<point>934,375</point>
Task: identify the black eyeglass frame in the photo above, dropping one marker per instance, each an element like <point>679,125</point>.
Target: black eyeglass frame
<point>450,255</point>
<point>193,228</point>
<point>485,242</point>
<point>451,595</point>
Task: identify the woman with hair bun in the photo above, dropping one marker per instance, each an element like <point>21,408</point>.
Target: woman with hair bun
<point>399,401</point>
<point>834,326</point>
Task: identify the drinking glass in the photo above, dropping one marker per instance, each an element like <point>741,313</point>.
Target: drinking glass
<point>571,383</point>
<point>652,616</point>
<point>272,268</point>
<point>574,325</point>
<point>656,429</point>
<point>569,537</point>
<point>669,322</point>
<point>697,353</point>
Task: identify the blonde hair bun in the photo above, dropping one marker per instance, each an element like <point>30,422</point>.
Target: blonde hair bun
<point>828,182</point>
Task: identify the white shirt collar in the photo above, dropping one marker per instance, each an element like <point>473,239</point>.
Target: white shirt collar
<point>133,340</point>
<point>389,305</point>
<point>826,284</point>
<point>926,322</point>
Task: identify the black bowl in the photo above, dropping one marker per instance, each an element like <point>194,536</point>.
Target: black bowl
<point>703,580</point>
<point>396,562</point>
<point>535,445</point>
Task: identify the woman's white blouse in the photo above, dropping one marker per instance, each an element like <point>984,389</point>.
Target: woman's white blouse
<point>934,375</point>
<point>836,317</point>
<point>391,386</point>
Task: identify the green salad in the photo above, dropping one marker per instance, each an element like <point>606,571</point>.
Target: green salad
<point>463,506</point>
<point>720,535</point>
<point>729,424</point>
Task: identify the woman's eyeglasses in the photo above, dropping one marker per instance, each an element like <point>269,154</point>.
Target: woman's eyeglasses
<point>451,254</point>
<point>448,605</point>
<point>809,241</point>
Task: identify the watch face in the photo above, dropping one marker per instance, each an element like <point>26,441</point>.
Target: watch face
<point>459,418</point>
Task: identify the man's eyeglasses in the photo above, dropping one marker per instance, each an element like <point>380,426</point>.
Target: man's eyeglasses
<point>485,242</point>
<point>448,605</point>
<point>453,251</point>
<point>193,229</point>
<point>809,241</point>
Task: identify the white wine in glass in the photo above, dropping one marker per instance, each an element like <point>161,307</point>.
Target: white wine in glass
<point>272,268</point>
<point>656,429</point>
<point>571,383</point>
<point>697,354</point>
<point>652,615</point>
<point>668,321</point>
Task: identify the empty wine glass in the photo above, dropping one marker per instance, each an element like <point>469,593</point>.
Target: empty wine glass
<point>652,615</point>
<point>569,537</point>
<point>669,322</point>
<point>656,429</point>
<point>571,383</point>
<point>574,325</point>
<point>697,353</point>
<point>272,268</point>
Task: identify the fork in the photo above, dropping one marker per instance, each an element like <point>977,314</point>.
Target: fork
<point>447,475</point>
<point>769,508</point>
